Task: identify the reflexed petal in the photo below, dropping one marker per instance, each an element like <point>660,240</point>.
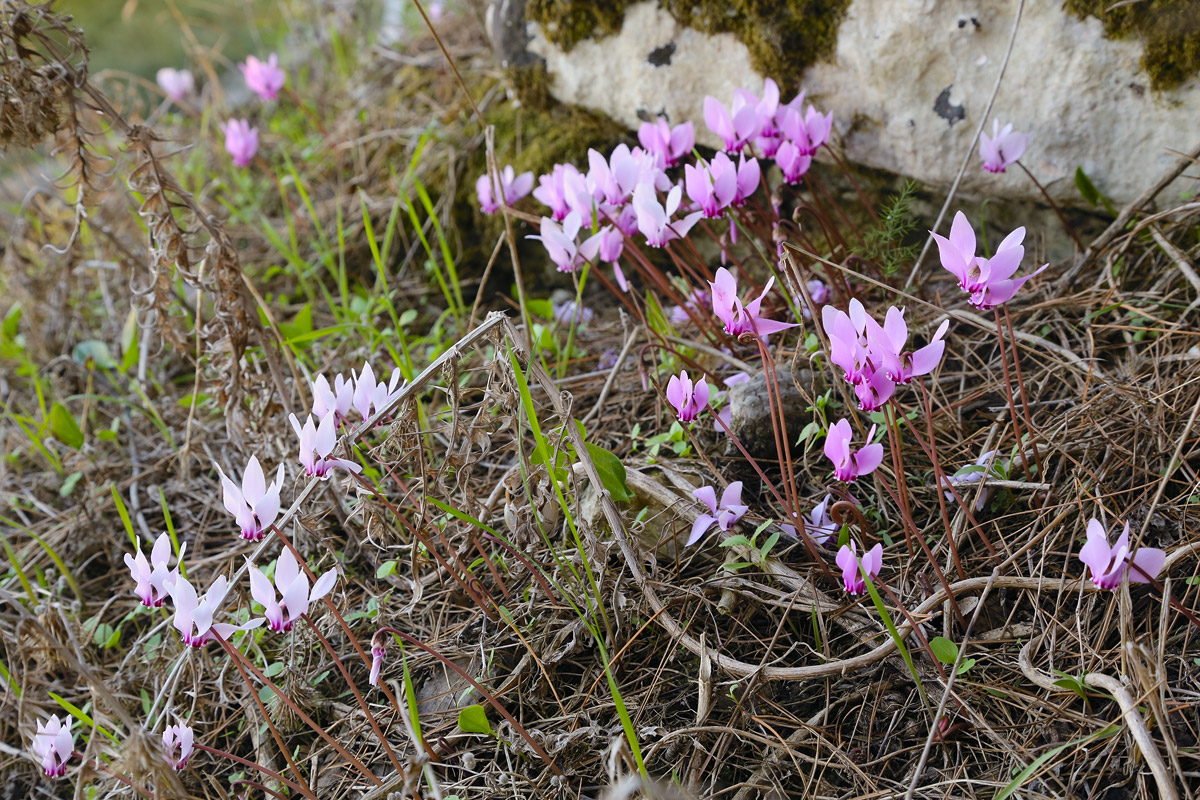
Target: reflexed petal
<point>323,586</point>
<point>254,483</point>
<point>708,496</point>
<point>702,524</point>
<point>1148,560</point>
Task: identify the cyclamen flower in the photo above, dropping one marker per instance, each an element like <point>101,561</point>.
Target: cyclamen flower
<point>194,614</point>
<point>792,162</point>
<point>316,443</point>
<point>988,281</point>
<point>654,219</point>
<point>848,346</point>
<point>972,476</point>
<point>888,342</point>
<point>820,525</point>
<point>563,190</point>
<point>255,505</point>
<point>806,132</point>
<point>1003,147</point>
<point>264,78</point>
<point>847,559</point>
<point>613,180</point>
<point>736,126</point>
<point>371,397</point>
<point>875,390</point>
<point>712,188</point>
<point>612,244</point>
<point>241,141</point>
<point>688,399</point>
<point>665,143</point>
<point>564,313</point>
<point>850,464</point>
<point>178,743</point>
<point>53,745</point>
<point>749,173</point>
<point>339,399</point>
<point>378,651</point>
<point>560,242</point>
<point>1110,564</point>
<point>729,511</point>
<point>176,84</point>
<point>741,319</point>
<point>151,576</point>
<point>294,595</point>
<point>512,186</point>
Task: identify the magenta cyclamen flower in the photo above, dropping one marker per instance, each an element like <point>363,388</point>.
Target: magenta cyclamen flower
<point>378,651</point>
<point>665,143</point>
<point>255,505</point>
<point>850,464</point>
<point>736,126</point>
<point>654,219</point>
<point>316,443</point>
<point>176,84</point>
<point>688,399</point>
<point>560,242</point>
<point>888,343</point>
<point>264,78</point>
<point>989,281</point>
<point>1003,147</point>
<point>294,595</point>
<point>819,525</point>
<point>53,745</point>
<point>792,162</point>
<point>178,743</point>
<point>741,319</point>
<point>1110,564</point>
<point>194,614</point>
<point>724,514</point>
<point>241,141</point>
<point>564,190</point>
<point>807,132</point>
<point>847,559</point>
<point>612,244</point>
<point>512,186</point>
<point>150,577</point>
<point>712,188</point>
<point>339,399</point>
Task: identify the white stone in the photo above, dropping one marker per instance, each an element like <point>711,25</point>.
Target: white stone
<point>1084,97</point>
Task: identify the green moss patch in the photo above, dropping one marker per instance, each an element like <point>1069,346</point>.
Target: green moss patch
<point>784,38</point>
<point>1168,29</point>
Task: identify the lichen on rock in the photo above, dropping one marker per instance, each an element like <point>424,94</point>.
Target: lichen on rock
<point>1168,29</point>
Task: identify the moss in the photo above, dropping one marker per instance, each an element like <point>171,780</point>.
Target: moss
<point>1168,29</point>
<point>531,85</point>
<point>566,23</point>
<point>784,38</point>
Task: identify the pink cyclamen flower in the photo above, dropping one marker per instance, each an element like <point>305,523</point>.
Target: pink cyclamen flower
<point>850,464</point>
<point>875,391</point>
<point>712,188</point>
<point>178,743</point>
<point>561,242</point>
<point>371,397</point>
<point>889,340</point>
<point>563,190</point>
<point>738,318</point>
<point>512,187</point>
<point>807,132</point>
<point>316,443</point>
<point>1110,564</point>
<point>53,745</point>
<point>749,173</point>
<point>848,345</point>
<point>612,244</point>
<point>989,281</point>
<point>151,576</point>
<point>294,595</point>
<point>194,614</point>
<point>378,651</point>
<point>819,525</point>
<point>687,398</point>
<point>339,399</point>
<point>792,162</point>
<point>241,141</point>
<point>255,505</point>
<point>735,126</point>
<point>176,84</point>
<point>972,474</point>
<point>264,78</point>
<point>724,514</point>
<point>847,559</point>
<point>665,143</point>
<point>654,219</point>
<point>1003,147</point>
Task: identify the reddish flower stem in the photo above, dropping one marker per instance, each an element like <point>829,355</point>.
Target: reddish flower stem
<point>270,773</point>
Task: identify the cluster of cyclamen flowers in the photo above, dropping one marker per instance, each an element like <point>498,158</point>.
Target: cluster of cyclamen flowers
<point>264,78</point>
<point>630,192</point>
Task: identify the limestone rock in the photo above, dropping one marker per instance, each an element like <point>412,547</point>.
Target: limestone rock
<point>907,85</point>
<point>750,412</point>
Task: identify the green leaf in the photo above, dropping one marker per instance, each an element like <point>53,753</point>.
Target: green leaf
<point>543,308</point>
<point>473,719</point>
<point>965,666</point>
<point>64,427</point>
<point>612,472</point>
<point>12,321</point>
<point>68,485</point>
<point>1086,188</point>
<point>1028,772</point>
<point>945,650</point>
<point>129,342</point>
<point>95,351</point>
<point>737,540</point>
<point>385,569</point>
<point>300,325</point>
